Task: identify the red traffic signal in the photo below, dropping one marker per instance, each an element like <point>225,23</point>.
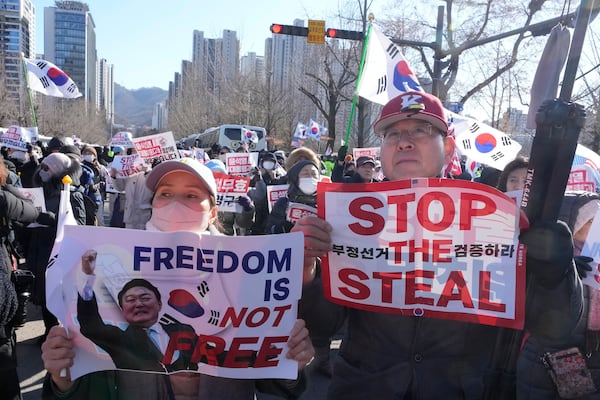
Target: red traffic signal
<point>289,30</point>
<point>343,34</point>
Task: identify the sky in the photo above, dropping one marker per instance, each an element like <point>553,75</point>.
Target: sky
<point>146,40</point>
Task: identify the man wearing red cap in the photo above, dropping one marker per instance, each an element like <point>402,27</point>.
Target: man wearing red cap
<point>391,356</point>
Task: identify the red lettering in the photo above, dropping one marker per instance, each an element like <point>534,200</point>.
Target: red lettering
<point>484,294</point>
<point>401,203</point>
<point>346,276</point>
<point>262,312</point>
<point>455,280</point>
<point>179,340</point>
<point>412,287</point>
<point>238,358</point>
<point>468,210</point>
<point>208,348</point>
<point>439,251</point>
<point>448,211</point>
<point>377,221</point>
<point>236,320</point>
<point>280,312</point>
<point>387,284</point>
<point>268,352</point>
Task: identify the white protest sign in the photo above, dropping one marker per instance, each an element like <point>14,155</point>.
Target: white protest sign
<point>274,193</point>
<point>241,163</point>
<point>372,152</point>
<point>17,137</point>
<point>228,304</point>
<point>128,165</point>
<point>123,139</point>
<point>36,196</point>
<point>157,147</point>
<point>229,190</point>
<point>438,248</point>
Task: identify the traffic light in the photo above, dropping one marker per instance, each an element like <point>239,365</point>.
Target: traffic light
<point>289,30</point>
<point>343,34</point>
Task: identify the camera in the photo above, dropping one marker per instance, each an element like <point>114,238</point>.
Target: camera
<point>22,280</point>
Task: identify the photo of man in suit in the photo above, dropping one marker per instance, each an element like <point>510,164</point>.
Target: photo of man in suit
<point>141,345</point>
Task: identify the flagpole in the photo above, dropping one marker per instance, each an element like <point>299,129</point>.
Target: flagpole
<point>360,71</point>
<point>28,90</point>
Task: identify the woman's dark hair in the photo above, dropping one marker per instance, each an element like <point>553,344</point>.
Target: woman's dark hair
<point>517,163</point>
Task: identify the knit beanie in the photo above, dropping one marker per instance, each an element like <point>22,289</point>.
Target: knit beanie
<point>585,214</point>
<point>57,162</point>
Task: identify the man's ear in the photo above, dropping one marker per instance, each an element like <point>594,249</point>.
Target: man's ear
<point>213,215</point>
<point>449,149</point>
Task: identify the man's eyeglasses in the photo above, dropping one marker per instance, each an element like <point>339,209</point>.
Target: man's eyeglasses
<point>417,132</point>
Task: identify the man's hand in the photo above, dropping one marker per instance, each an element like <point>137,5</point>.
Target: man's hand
<point>58,355</point>
<point>300,346</point>
<point>88,262</point>
<point>342,153</point>
<point>246,202</point>
<point>317,242</point>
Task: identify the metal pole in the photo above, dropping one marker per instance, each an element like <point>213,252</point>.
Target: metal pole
<point>437,62</point>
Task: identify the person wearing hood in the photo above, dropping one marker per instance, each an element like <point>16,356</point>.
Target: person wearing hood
<point>302,179</point>
<point>183,199</point>
<point>49,177</point>
<point>234,223</point>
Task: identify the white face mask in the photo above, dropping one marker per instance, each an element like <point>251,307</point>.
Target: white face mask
<point>223,157</point>
<point>89,158</point>
<point>177,217</point>
<point>268,165</point>
<point>308,185</point>
<point>45,175</point>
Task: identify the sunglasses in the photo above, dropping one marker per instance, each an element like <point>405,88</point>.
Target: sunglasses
<point>44,167</point>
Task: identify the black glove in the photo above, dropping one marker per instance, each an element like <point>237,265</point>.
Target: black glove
<point>246,203</point>
<point>47,218</point>
<point>549,252</point>
<point>342,153</point>
<point>583,265</point>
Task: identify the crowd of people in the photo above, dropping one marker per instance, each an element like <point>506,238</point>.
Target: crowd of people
<point>382,356</point>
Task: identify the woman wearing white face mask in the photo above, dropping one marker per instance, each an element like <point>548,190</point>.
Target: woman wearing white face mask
<point>184,198</point>
<point>302,178</point>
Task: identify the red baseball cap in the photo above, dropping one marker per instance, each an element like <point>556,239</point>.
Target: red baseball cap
<point>416,105</point>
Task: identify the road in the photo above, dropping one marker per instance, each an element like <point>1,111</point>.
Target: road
<point>31,371</point>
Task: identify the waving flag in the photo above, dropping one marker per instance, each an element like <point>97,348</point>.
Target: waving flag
<point>482,143</point>
<point>249,136</point>
<point>386,72</point>
<point>47,78</point>
<point>301,131</point>
<point>316,130</point>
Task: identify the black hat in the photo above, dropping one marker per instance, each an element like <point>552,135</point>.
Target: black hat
<point>71,150</point>
<point>137,282</point>
<point>269,156</point>
<point>364,160</point>
<point>55,144</point>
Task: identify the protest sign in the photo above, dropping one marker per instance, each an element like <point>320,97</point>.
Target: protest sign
<point>228,303</point>
<point>123,139</point>
<point>18,137</point>
<point>157,148</point>
<point>229,190</point>
<point>127,166</point>
<point>438,248</point>
<point>372,152</point>
<point>274,192</point>
<point>591,248</point>
<point>241,163</point>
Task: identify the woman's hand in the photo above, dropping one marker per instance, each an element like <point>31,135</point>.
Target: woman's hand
<point>299,345</point>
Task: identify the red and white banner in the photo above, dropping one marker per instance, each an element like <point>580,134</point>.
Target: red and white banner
<point>229,190</point>
<point>366,151</point>
<point>438,248</point>
<point>241,163</point>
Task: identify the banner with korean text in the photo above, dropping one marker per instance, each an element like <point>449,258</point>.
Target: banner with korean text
<point>437,248</point>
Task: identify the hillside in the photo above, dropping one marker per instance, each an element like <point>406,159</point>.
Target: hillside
<point>135,106</point>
